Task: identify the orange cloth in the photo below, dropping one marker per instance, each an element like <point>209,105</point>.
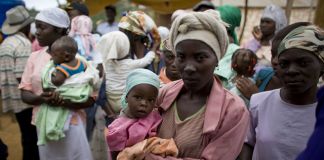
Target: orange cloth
<point>163,77</point>
<point>154,145</point>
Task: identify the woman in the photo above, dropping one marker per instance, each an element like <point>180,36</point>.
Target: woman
<point>204,119</point>
<point>282,120</point>
<point>81,27</point>
<point>52,24</point>
<point>168,73</point>
<point>267,79</point>
<point>272,21</point>
<point>142,34</point>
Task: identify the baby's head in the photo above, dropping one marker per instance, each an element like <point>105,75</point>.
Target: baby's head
<point>142,88</point>
<point>63,50</point>
<point>243,62</point>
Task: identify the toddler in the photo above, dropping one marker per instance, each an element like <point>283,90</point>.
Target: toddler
<point>243,63</point>
<point>138,119</point>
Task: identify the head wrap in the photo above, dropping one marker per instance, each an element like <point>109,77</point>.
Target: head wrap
<point>82,26</point>
<point>177,13</point>
<point>54,16</point>
<point>139,76</point>
<point>277,14</point>
<point>231,15</point>
<point>113,45</point>
<point>139,23</point>
<point>163,32</point>
<point>203,26</point>
<point>82,8</point>
<point>310,38</point>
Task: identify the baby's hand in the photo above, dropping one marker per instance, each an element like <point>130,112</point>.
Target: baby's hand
<point>257,34</point>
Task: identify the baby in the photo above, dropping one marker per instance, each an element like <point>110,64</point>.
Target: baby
<point>243,63</point>
<point>63,53</point>
<point>138,119</point>
<point>69,76</point>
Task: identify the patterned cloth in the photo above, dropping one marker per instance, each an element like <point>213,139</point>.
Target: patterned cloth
<point>14,52</point>
<point>139,23</point>
<point>310,38</point>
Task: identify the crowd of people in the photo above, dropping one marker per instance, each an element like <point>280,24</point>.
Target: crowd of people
<point>133,90</point>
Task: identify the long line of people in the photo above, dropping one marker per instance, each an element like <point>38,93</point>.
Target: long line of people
<point>140,92</point>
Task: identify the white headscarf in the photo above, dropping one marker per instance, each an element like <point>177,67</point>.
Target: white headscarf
<point>113,45</point>
<point>277,14</point>
<point>54,16</point>
<point>203,26</point>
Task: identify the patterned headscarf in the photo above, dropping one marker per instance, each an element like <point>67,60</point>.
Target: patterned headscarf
<point>139,76</point>
<point>82,26</point>
<point>277,14</point>
<point>231,15</point>
<point>139,23</point>
<point>310,38</point>
<point>204,26</point>
<point>54,16</point>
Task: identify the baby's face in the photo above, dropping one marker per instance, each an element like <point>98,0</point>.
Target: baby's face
<point>58,55</point>
<point>141,100</point>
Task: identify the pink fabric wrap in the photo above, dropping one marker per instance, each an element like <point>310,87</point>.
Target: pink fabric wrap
<point>82,26</point>
<point>125,132</point>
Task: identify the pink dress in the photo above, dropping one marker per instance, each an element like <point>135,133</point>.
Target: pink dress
<point>124,132</point>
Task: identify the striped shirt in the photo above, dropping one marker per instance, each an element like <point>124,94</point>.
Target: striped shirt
<point>186,133</point>
<point>14,52</point>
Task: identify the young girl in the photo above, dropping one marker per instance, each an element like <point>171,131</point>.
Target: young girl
<point>243,63</point>
<point>138,119</point>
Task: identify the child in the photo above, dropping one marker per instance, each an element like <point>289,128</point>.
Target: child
<point>63,55</point>
<point>115,48</point>
<point>138,119</point>
<point>73,79</point>
<point>243,63</point>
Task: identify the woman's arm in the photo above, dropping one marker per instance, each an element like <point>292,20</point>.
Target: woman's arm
<point>74,105</point>
<point>46,97</point>
<point>143,62</point>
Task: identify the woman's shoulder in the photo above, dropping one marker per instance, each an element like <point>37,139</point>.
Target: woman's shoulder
<point>233,102</point>
<point>262,98</point>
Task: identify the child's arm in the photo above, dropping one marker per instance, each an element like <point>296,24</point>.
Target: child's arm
<point>58,77</point>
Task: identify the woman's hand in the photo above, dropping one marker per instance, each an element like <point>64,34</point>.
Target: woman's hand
<point>246,87</point>
<point>257,34</point>
<point>52,98</point>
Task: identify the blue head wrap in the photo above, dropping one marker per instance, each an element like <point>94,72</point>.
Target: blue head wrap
<point>136,77</point>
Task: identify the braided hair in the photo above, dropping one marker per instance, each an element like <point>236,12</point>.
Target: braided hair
<point>243,62</point>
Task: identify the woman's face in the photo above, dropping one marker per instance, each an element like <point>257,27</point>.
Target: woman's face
<point>46,33</point>
<point>267,26</point>
<point>299,70</point>
<point>170,65</point>
<point>196,62</point>
<point>141,100</point>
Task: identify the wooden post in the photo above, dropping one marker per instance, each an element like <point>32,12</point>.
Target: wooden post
<point>245,19</point>
<point>319,14</point>
<point>288,9</point>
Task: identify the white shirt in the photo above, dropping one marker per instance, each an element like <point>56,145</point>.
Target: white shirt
<point>279,130</point>
<point>105,27</point>
<point>116,72</point>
